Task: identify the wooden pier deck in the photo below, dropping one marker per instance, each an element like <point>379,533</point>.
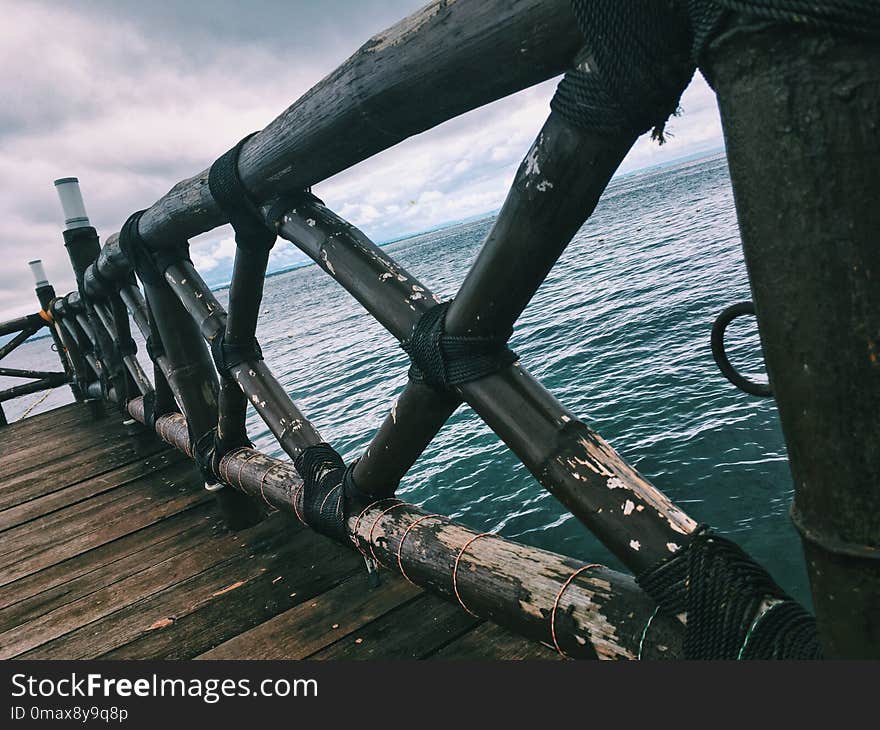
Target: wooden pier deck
<point>110,548</point>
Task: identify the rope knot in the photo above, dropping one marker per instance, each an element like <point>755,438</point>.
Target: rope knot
<point>441,360</point>
<point>723,591</point>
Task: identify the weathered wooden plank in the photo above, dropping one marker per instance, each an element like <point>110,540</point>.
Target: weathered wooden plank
<point>104,557</point>
<point>23,447</point>
<point>221,557</point>
<point>86,489</point>
<point>173,545</point>
<point>316,565</point>
<point>51,420</point>
<point>317,623</point>
<point>491,641</point>
<point>83,461</point>
<point>20,453</point>
<point>27,563</point>
<point>153,600</point>
<point>413,631</point>
<point>149,490</point>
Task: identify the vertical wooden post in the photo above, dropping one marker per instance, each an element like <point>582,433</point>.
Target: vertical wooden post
<point>800,109</point>
<point>83,248</point>
<point>192,379</point>
<point>45,295</point>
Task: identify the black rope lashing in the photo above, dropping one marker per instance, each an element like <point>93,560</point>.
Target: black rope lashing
<point>227,355</point>
<point>204,451</point>
<point>722,591</point>
<point>633,69</point>
<point>441,360</point>
<point>158,402</point>
<point>126,347</point>
<point>783,631</point>
<point>329,492</point>
<point>149,264</point>
<point>639,55</point>
<point>323,473</point>
<point>251,231</point>
<point>849,17</point>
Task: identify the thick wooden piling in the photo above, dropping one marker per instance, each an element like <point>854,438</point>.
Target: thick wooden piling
<point>802,106</point>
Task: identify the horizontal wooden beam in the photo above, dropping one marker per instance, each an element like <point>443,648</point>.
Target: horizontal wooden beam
<point>23,373</point>
<point>438,63</point>
<point>583,609</point>
<point>28,322</point>
<point>35,386</point>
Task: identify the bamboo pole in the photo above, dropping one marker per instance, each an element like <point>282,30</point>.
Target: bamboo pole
<point>292,429</point>
<point>23,373</point>
<point>192,378</point>
<point>16,341</point>
<point>631,517</point>
<point>798,104</point>
<point>28,322</point>
<point>35,387</point>
<point>70,325</point>
<point>591,610</point>
<point>245,295</point>
<point>132,365</point>
<point>555,190</point>
<point>399,83</point>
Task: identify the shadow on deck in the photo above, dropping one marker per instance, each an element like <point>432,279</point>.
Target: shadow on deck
<point>111,548</point>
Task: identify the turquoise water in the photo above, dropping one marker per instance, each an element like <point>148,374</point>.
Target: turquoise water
<point>619,333</point>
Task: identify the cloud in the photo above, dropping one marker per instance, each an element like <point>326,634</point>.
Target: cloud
<point>131,97</point>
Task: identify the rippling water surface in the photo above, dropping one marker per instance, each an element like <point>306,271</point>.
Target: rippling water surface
<point>619,333</point>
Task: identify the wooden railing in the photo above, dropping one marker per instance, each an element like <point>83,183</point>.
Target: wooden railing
<point>401,82</point>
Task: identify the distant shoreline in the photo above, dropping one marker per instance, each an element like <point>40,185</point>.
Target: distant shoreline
<point>696,157</point>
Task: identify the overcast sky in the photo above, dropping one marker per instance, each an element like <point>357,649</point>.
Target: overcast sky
<point>132,96</point>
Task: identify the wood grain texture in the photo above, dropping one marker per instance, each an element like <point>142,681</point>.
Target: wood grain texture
<point>593,611</point>
<point>132,560</point>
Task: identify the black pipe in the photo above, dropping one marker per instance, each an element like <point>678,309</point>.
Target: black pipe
<point>28,322</point>
<point>16,341</point>
<point>27,388</point>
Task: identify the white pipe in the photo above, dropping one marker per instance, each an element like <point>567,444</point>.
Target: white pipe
<point>40,278</point>
<point>75,215</point>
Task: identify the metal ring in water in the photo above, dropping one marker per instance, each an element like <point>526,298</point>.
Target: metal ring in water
<point>763,390</point>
